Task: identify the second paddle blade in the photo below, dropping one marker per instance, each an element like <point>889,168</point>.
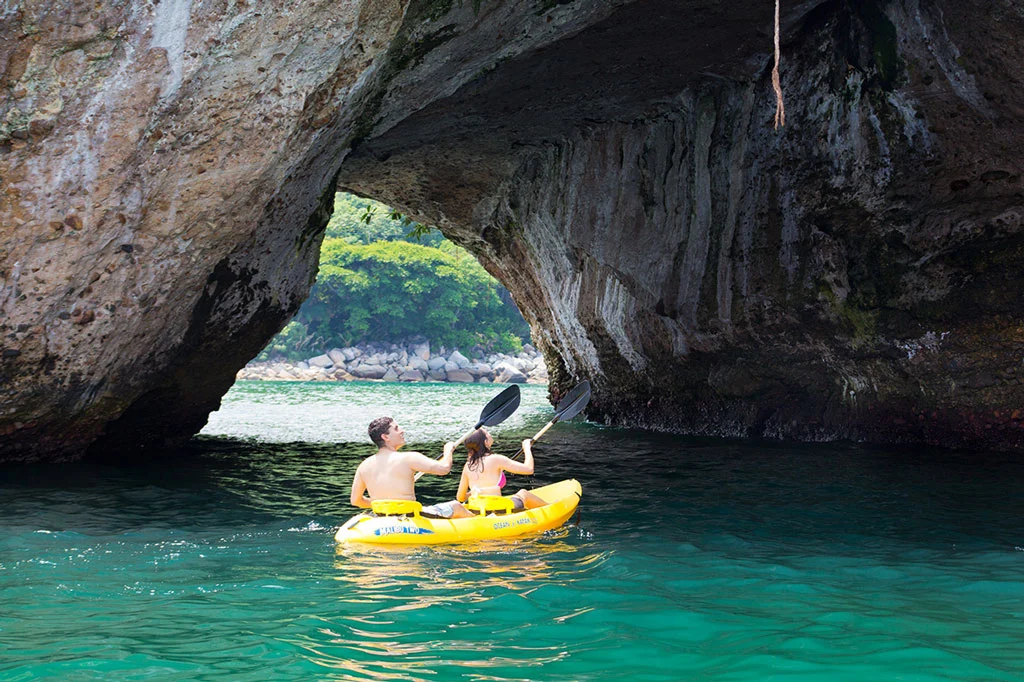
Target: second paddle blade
<point>573,402</point>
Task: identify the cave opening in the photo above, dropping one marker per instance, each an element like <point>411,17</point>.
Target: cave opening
<point>387,285</point>
<point>612,164</point>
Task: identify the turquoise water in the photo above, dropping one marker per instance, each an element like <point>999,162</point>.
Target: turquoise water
<point>691,559</point>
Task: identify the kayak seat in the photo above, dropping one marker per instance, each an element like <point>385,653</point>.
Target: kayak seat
<point>490,503</point>
<point>396,507</point>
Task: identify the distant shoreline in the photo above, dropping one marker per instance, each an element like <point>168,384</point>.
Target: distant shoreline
<point>410,362</point>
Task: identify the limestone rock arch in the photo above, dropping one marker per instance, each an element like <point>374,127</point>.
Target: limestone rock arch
<point>166,173</point>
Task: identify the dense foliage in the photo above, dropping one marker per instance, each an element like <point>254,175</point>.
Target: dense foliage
<point>376,284</point>
<point>364,221</point>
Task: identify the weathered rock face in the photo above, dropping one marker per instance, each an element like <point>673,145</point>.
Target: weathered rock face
<point>853,275</point>
<point>166,171</point>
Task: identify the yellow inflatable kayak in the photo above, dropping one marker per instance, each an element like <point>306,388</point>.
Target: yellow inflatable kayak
<point>412,529</point>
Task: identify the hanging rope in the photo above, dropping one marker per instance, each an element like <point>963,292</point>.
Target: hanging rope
<point>780,109</point>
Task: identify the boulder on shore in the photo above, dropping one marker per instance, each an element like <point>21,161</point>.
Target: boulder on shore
<point>481,370</point>
<point>507,373</point>
<point>460,360</point>
<point>374,362</point>
<point>460,376</point>
<point>420,350</point>
<point>369,371</point>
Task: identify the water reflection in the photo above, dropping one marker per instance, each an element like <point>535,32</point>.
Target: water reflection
<point>409,613</point>
<point>694,559</point>
<point>463,572</point>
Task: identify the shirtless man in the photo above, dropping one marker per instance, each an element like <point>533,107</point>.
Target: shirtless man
<point>389,474</point>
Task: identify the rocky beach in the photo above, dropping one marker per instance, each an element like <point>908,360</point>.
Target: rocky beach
<point>409,362</point>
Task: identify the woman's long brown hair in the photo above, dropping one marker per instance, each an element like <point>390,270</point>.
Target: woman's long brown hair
<point>476,444</point>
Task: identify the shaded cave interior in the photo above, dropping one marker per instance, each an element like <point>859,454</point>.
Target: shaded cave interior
<point>443,162</point>
<point>437,163</point>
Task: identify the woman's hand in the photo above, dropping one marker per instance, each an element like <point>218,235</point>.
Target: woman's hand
<point>527,443</point>
<point>449,447</point>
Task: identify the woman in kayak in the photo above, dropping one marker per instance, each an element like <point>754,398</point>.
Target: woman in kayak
<point>484,471</point>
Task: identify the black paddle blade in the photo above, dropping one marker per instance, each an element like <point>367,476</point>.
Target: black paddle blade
<point>573,402</point>
<point>500,407</point>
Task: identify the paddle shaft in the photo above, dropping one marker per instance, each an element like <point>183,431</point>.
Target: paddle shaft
<point>544,430</point>
<point>459,442</point>
<point>570,406</point>
<point>539,434</point>
<point>495,412</point>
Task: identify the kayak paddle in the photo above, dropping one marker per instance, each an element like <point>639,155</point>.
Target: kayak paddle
<point>568,407</point>
<point>495,412</point>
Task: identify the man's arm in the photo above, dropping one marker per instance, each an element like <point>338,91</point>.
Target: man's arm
<point>358,488</point>
<point>441,467</point>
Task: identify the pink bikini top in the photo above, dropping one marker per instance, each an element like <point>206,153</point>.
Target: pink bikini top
<point>501,481</point>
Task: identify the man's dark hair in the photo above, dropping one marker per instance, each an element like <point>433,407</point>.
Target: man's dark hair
<point>378,427</point>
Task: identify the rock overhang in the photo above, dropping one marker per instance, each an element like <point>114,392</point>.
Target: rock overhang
<point>612,162</point>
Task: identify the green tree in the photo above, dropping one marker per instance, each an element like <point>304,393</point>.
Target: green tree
<point>292,342</point>
<point>386,278</point>
<point>364,221</point>
<point>395,290</point>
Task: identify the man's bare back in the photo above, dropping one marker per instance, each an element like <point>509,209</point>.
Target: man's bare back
<point>390,474</point>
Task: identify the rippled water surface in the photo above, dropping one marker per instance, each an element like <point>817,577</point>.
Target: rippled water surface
<point>690,560</point>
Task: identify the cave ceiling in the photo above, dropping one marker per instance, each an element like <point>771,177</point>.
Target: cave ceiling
<point>168,169</point>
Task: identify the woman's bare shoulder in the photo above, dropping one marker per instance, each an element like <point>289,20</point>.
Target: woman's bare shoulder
<point>501,461</point>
